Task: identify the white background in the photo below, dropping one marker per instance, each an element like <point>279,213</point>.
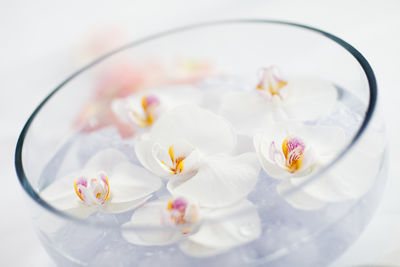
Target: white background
<point>40,43</point>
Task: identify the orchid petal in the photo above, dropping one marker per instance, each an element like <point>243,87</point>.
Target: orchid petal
<point>326,141</point>
<point>144,147</point>
<point>192,163</point>
<point>198,250</point>
<point>123,108</point>
<point>227,227</point>
<point>61,195</point>
<point>323,144</point>
<point>244,144</point>
<point>214,94</point>
<point>119,207</point>
<point>189,128</point>
<point>120,107</point>
<point>298,199</point>
<point>353,175</point>
<point>150,215</point>
<point>169,97</point>
<point>181,149</point>
<point>247,111</point>
<point>104,160</point>
<point>130,182</point>
<point>80,211</point>
<point>221,181</point>
<point>324,188</point>
<point>262,144</point>
<point>203,129</point>
<point>309,98</point>
<point>299,99</point>
<point>130,186</point>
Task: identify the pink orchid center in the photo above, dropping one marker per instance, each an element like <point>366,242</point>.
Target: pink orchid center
<point>150,103</point>
<point>293,150</point>
<point>93,191</point>
<point>291,155</point>
<point>182,213</point>
<point>271,81</point>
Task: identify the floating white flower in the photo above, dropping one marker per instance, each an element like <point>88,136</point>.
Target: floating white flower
<point>108,183</point>
<point>201,232</point>
<point>293,153</point>
<point>191,147</point>
<point>168,221</point>
<point>351,177</point>
<point>143,108</point>
<point>275,99</point>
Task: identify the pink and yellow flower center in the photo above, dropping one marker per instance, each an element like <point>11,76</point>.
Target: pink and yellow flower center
<point>149,105</point>
<point>270,81</point>
<point>181,212</point>
<point>293,150</point>
<point>94,190</point>
<point>177,163</point>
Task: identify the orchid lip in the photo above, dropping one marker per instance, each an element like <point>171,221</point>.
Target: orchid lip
<point>291,155</point>
<point>271,81</point>
<point>149,103</point>
<point>181,212</point>
<point>177,162</point>
<point>93,191</point>
<point>293,149</point>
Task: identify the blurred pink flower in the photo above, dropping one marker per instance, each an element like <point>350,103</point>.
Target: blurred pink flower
<point>124,79</point>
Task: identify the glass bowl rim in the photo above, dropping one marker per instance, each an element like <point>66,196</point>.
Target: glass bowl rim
<point>90,223</point>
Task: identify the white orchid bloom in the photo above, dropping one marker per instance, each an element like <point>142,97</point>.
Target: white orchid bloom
<point>350,178</point>
<point>108,183</point>
<point>191,147</point>
<point>293,153</point>
<point>143,108</point>
<point>201,232</point>
<point>275,99</point>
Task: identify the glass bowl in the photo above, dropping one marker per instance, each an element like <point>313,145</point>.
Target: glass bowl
<point>76,121</point>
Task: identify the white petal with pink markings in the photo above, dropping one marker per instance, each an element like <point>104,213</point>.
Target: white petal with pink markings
<point>108,183</point>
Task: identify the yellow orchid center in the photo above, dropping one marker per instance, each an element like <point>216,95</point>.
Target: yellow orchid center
<point>149,106</point>
<point>293,150</point>
<point>270,81</point>
<point>177,163</point>
<point>95,190</point>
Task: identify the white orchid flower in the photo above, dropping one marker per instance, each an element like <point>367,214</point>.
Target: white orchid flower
<point>275,99</point>
<point>191,147</point>
<point>200,232</point>
<point>293,153</point>
<point>108,183</point>
<point>143,108</point>
<point>350,178</point>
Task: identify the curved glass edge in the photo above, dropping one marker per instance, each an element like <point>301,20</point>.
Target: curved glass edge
<point>354,52</point>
